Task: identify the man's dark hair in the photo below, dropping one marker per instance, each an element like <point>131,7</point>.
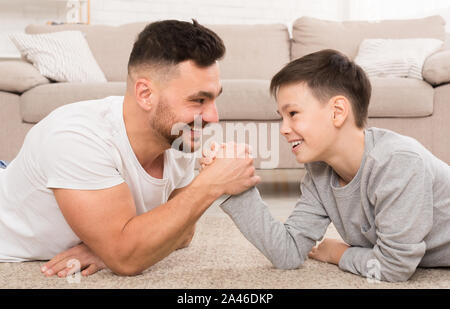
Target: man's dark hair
<point>170,42</point>
<point>328,73</point>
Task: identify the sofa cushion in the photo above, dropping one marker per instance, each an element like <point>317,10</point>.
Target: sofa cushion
<point>60,56</point>
<point>38,102</point>
<point>402,58</point>
<point>311,34</point>
<point>110,45</point>
<point>253,51</point>
<point>246,100</point>
<point>19,76</point>
<point>436,69</point>
<point>400,97</point>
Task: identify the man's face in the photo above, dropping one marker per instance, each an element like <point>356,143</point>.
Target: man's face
<point>185,104</point>
<point>307,123</point>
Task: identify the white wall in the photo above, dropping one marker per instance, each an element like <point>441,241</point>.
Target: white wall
<point>213,11</point>
<point>16,14</point>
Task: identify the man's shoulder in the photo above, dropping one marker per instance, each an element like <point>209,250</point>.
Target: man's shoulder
<point>93,117</point>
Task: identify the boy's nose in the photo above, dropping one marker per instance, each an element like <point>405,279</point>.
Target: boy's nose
<point>285,129</point>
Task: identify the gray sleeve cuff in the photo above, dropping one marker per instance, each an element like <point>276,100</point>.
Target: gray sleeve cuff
<point>232,204</point>
<point>354,260</point>
<point>364,262</point>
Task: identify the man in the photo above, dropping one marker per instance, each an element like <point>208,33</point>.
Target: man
<point>100,177</point>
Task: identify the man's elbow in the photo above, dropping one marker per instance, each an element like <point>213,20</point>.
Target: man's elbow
<point>126,270</point>
<point>122,262</point>
<point>124,267</point>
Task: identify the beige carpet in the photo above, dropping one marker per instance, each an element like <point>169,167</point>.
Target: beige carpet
<point>220,258</point>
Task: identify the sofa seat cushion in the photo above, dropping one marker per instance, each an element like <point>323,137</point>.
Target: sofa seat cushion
<point>400,97</point>
<point>240,100</point>
<point>38,102</point>
<point>246,99</point>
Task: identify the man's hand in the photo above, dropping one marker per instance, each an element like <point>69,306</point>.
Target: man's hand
<point>329,251</point>
<point>89,262</point>
<point>227,169</point>
<point>209,155</point>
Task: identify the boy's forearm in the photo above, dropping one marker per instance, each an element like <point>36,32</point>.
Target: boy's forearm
<point>253,218</point>
<point>148,238</point>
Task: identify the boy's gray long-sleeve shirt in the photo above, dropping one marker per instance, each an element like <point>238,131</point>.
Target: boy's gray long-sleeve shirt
<point>395,213</point>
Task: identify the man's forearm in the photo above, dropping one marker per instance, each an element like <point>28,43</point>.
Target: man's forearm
<point>148,238</point>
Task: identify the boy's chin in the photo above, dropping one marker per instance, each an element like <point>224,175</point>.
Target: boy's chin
<point>303,159</point>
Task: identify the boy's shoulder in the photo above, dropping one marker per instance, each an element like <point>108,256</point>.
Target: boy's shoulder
<point>386,144</point>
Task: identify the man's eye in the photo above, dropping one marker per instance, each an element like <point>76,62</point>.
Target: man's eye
<point>201,101</point>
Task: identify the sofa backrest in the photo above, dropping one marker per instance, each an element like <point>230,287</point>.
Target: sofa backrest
<point>253,51</point>
<point>311,34</point>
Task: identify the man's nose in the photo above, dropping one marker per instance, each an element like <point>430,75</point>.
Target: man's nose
<point>210,113</point>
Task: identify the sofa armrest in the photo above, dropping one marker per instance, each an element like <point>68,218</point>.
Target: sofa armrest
<point>436,69</point>
<point>19,76</point>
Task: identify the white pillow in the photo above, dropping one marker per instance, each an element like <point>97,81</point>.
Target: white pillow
<point>63,56</point>
<point>395,57</point>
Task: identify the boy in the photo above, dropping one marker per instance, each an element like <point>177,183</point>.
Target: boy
<point>388,197</point>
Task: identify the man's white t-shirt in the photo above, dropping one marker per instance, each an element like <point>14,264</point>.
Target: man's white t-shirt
<point>81,146</point>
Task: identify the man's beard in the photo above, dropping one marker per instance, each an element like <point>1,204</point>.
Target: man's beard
<point>175,134</point>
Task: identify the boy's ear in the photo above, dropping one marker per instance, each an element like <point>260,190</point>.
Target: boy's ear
<point>340,109</point>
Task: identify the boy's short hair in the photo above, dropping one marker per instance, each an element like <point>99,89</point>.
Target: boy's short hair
<point>328,73</point>
<point>169,42</point>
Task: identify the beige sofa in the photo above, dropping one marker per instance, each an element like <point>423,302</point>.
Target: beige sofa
<point>417,108</point>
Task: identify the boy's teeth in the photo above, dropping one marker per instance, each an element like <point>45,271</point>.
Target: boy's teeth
<point>296,143</point>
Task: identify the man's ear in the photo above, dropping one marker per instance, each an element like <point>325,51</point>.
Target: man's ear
<point>143,89</point>
<point>341,109</point>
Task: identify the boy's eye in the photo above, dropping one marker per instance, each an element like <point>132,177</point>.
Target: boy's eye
<point>292,114</point>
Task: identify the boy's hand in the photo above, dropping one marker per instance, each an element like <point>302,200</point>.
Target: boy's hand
<point>209,155</point>
<point>217,150</point>
<point>329,251</point>
<point>59,265</point>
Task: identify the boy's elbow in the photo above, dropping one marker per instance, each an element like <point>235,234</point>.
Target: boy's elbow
<point>397,276</point>
<point>287,264</point>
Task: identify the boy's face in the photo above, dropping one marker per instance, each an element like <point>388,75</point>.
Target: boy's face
<point>307,123</point>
